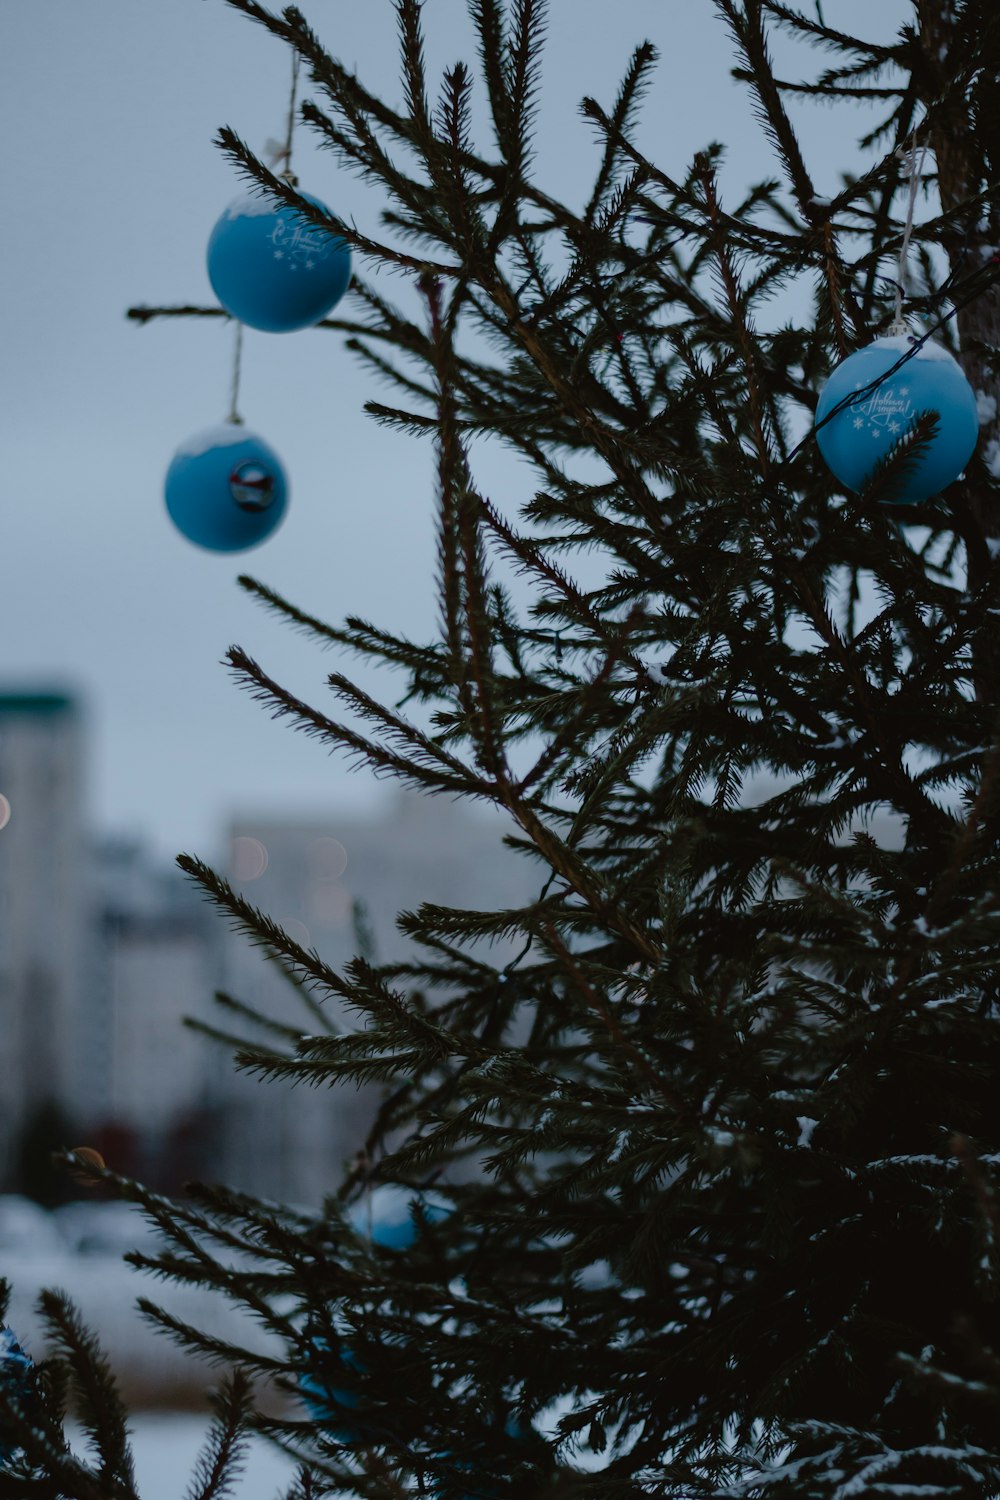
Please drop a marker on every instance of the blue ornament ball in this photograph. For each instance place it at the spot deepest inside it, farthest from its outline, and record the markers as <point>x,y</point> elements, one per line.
<point>16,1371</point>
<point>332,1405</point>
<point>274,270</point>
<point>865,430</point>
<point>226,489</point>
<point>385,1215</point>
<point>484,1490</point>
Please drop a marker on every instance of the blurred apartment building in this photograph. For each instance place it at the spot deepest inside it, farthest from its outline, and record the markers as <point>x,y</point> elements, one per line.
<point>104,951</point>
<point>289,1141</point>
<point>42,904</point>
<point>147,1087</point>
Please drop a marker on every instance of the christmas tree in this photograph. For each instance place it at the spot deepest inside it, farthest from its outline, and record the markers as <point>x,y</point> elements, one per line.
<point>696,1186</point>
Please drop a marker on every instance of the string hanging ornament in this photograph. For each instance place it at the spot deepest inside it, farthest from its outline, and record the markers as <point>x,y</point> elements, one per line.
<point>875,398</point>
<point>270,266</point>
<point>226,489</point>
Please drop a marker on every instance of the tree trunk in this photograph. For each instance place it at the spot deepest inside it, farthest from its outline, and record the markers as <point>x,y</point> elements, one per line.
<point>965,139</point>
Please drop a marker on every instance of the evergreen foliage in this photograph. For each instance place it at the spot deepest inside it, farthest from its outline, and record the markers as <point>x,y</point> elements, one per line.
<point>718,1141</point>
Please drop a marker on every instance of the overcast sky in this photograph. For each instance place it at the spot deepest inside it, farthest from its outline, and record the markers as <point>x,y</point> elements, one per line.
<point>110,188</point>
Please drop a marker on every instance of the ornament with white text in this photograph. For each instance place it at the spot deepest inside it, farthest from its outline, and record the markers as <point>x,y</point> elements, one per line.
<point>226,489</point>
<point>880,411</point>
<point>273,269</point>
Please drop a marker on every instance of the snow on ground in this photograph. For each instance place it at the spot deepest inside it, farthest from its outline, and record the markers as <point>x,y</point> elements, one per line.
<point>166,1445</point>
<point>79,1250</point>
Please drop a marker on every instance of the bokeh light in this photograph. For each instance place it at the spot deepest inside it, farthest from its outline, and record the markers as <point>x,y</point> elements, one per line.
<point>327,858</point>
<point>330,904</point>
<point>297,931</point>
<point>248,859</point>
<point>4,811</point>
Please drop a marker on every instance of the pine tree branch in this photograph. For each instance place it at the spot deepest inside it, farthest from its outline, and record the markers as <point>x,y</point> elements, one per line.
<point>747,27</point>
<point>254,170</point>
<point>261,929</point>
<point>99,1406</point>
<point>222,1460</point>
<point>310,721</point>
<point>622,119</point>
<point>744,335</point>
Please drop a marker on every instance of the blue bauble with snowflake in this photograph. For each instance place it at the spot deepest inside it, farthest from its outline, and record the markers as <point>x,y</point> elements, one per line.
<point>389,1215</point>
<point>226,489</point>
<point>879,411</point>
<point>16,1379</point>
<point>273,269</point>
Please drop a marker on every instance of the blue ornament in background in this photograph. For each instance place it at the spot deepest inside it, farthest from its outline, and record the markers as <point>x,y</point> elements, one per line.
<point>513,1429</point>
<point>15,1377</point>
<point>274,270</point>
<point>865,430</point>
<point>226,489</point>
<point>385,1215</point>
<point>329,1404</point>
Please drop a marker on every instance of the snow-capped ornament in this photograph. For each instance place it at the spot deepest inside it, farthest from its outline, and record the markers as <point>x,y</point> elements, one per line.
<point>877,412</point>
<point>273,269</point>
<point>226,490</point>
<point>16,1369</point>
<point>387,1215</point>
